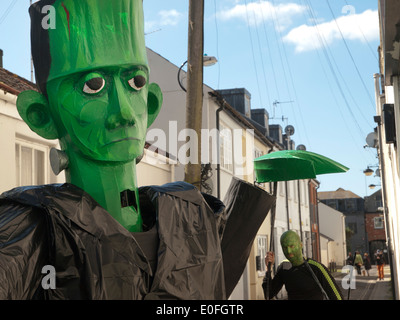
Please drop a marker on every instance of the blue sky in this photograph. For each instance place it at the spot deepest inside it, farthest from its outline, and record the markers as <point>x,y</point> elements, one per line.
<point>316,57</point>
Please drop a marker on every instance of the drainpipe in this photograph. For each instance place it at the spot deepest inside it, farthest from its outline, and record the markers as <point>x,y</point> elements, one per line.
<point>287,205</point>
<point>344,247</point>
<point>299,201</point>
<point>317,216</point>
<point>218,152</point>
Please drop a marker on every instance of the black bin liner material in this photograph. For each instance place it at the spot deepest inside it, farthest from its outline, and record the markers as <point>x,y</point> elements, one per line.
<point>246,208</point>
<point>189,262</point>
<point>179,256</point>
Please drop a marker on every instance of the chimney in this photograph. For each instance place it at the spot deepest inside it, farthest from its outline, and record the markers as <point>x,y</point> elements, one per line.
<point>1,58</point>
<point>239,99</point>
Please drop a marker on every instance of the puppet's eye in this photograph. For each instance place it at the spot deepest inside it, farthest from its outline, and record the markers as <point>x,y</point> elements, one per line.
<point>137,82</point>
<point>94,85</point>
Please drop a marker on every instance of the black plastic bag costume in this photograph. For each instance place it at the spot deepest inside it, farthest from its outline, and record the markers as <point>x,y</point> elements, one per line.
<point>193,247</point>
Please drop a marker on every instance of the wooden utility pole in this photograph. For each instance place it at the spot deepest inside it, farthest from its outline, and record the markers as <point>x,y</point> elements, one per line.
<point>194,96</point>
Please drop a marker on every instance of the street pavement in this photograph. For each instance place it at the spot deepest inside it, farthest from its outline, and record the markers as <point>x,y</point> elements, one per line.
<point>366,287</point>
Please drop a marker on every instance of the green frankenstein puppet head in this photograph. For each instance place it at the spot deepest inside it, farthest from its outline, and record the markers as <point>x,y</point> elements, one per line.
<point>92,70</point>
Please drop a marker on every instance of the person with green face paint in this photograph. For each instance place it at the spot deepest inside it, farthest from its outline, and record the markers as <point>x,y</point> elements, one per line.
<point>104,237</point>
<point>304,279</point>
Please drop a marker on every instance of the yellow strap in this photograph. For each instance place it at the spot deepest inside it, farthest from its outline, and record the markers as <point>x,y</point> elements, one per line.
<point>326,275</point>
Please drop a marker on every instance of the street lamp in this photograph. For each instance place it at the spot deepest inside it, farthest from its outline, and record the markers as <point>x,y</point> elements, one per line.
<point>207,62</point>
<point>372,186</point>
<point>368,172</point>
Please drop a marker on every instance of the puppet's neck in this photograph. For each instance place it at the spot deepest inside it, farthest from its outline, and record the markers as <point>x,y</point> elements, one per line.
<point>112,185</point>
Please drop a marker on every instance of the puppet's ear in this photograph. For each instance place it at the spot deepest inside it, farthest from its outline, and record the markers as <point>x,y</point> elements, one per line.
<point>33,108</point>
<point>154,102</point>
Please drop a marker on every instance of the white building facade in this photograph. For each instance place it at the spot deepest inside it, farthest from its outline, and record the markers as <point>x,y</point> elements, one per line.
<point>333,235</point>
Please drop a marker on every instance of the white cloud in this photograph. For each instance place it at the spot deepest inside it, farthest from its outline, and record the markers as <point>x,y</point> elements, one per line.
<point>257,12</point>
<point>363,26</point>
<point>167,18</point>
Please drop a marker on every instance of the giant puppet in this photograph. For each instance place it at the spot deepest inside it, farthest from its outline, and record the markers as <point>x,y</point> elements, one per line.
<point>105,237</point>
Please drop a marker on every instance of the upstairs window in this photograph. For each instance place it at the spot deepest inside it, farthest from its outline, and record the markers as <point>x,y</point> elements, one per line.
<point>226,148</point>
<point>31,164</point>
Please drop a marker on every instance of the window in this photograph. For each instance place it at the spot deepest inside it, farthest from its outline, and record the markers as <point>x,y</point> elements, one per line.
<point>289,189</point>
<point>226,148</point>
<point>262,252</point>
<point>353,227</point>
<point>303,192</point>
<point>350,205</point>
<point>296,190</point>
<point>331,203</point>
<point>378,201</point>
<point>378,222</point>
<point>257,153</point>
<point>281,188</point>
<point>31,164</point>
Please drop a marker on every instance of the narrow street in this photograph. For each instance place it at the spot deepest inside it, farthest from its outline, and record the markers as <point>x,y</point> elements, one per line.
<point>366,287</point>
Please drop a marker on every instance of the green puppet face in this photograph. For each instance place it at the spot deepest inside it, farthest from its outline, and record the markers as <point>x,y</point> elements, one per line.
<point>292,247</point>
<point>95,79</point>
<point>103,111</point>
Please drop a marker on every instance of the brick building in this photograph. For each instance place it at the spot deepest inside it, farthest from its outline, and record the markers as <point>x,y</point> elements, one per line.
<point>375,223</point>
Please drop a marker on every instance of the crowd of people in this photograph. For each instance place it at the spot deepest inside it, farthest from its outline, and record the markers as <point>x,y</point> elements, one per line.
<point>363,263</point>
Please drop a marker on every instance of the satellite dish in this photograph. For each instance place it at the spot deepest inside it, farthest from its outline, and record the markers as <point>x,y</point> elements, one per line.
<point>372,140</point>
<point>289,130</point>
<point>301,147</point>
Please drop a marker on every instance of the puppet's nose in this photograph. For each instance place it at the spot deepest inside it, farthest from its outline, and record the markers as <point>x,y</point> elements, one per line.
<point>121,111</point>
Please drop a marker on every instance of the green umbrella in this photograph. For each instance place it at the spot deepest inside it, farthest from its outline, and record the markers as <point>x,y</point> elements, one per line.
<point>288,165</point>
<point>293,165</point>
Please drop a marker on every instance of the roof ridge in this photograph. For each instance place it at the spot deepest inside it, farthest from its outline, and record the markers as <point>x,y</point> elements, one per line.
<point>14,83</point>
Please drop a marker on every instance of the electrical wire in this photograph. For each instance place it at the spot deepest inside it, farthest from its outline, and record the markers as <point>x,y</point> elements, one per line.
<point>8,10</point>
<point>252,50</point>
<point>333,72</point>
<point>351,56</point>
<point>278,27</point>
<point>269,52</point>
<point>374,53</point>
<point>262,60</point>
<point>217,43</point>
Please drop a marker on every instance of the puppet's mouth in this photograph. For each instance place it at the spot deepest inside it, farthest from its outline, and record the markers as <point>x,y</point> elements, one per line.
<point>120,140</point>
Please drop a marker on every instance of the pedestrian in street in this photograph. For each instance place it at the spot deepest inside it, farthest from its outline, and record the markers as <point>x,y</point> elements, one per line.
<point>367,263</point>
<point>358,261</point>
<point>350,259</point>
<point>304,279</point>
<point>380,263</point>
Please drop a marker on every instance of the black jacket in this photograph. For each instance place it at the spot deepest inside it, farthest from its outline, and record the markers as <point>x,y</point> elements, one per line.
<point>179,256</point>
<point>300,282</point>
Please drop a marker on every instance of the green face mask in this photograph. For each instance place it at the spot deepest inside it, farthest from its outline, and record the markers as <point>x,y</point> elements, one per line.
<point>98,101</point>
<point>292,247</point>
<point>103,113</point>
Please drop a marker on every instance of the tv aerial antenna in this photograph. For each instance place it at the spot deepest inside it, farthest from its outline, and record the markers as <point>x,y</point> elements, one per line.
<point>274,105</point>
<point>154,31</point>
